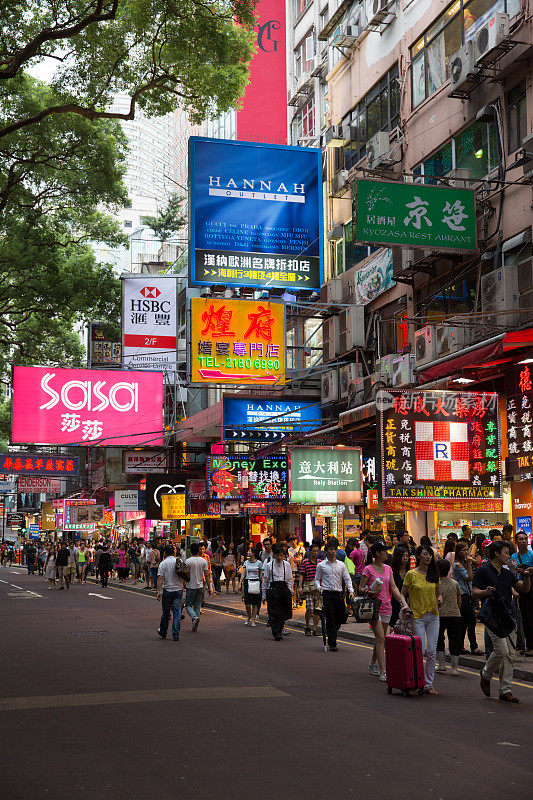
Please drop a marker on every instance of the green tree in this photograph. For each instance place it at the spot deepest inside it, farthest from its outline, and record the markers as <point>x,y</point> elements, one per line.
<point>169,220</point>
<point>160,53</point>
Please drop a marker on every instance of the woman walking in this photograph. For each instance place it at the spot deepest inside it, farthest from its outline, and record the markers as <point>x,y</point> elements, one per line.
<point>251,587</point>
<point>450,619</point>
<point>378,573</point>
<point>399,566</point>
<point>50,567</point>
<point>277,589</point>
<point>421,586</point>
<point>216,564</point>
<point>230,567</point>
<point>462,573</point>
<point>82,563</point>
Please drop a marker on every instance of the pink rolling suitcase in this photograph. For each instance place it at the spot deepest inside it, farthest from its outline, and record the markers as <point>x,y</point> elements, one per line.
<point>405,665</point>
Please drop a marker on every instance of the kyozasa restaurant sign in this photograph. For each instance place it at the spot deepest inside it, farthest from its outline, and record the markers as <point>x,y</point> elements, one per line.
<point>415,215</point>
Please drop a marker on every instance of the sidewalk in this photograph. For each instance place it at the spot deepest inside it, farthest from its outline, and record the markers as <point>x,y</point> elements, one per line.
<point>352,631</point>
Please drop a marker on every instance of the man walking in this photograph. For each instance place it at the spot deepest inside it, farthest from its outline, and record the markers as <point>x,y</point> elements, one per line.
<point>329,578</point>
<point>313,598</point>
<point>172,585</point>
<point>493,579</point>
<point>524,558</point>
<point>63,566</point>
<point>31,552</point>
<point>199,572</point>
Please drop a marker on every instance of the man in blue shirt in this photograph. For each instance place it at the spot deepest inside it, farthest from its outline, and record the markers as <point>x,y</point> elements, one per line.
<point>524,558</point>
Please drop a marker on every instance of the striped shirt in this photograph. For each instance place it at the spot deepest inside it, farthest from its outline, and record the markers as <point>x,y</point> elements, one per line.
<point>308,569</point>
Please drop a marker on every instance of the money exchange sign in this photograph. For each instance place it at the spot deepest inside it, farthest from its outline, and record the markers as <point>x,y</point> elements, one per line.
<point>326,475</point>
<point>520,423</point>
<point>237,342</point>
<point>439,448</point>
<point>237,476</point>
<point>415,215</point>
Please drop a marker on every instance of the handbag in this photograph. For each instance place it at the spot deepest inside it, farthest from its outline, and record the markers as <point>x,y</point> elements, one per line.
<point>254,587</point>
<point>496,615</point>
<point>182,570</point>
<point>366,609</point>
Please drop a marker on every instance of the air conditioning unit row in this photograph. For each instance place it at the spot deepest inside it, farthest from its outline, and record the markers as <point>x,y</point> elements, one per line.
<point>331,292</point>
<point>362,390</point>
<point>379,12</point>
<point>403,370</point>
<point>425,345</point>
<point>351,328</point>
<point>339,182</point>
<point>450,337</point>
<point>463,72</point>
<point>329,387</point>
<point>383,368</point>
<point>490,37</point>
<point>378,151</point>
<point>347,374</point>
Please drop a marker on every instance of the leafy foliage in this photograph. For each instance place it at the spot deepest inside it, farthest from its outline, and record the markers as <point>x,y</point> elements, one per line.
<point>169,220</point>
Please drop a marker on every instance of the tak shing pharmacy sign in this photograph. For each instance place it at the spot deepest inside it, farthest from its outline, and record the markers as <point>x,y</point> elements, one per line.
<point>326,475</point>
<point>83,406</point>
<point>415,215</point>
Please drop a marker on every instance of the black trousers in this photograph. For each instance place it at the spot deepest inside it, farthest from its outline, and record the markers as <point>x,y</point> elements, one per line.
<point>279,606</point>
<point>335,613</point>
<point>469,620</point>
<point>454,627</point>
<point>104,575</point>
<point>526,610</point>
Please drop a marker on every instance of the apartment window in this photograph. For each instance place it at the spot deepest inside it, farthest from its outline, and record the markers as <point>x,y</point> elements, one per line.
<point>304,54</point>
<point>324,17</point>
<point>300,6</point>
<point>475,150</point>
<point>306,125</point>
<point>516,116</point>
<point>431,54</point>
<point>378,110</point>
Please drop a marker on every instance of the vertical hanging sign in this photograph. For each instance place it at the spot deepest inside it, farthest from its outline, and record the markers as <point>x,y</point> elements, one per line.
<point>149,323</point>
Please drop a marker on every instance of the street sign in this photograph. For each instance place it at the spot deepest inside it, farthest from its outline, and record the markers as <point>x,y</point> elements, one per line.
<point>326,475</point>
<point>18,462</point>
<point>415,215</point>
<point>39,485</point>
<point>127,500</point>
<point>258,420</point>
<point>15,520</point>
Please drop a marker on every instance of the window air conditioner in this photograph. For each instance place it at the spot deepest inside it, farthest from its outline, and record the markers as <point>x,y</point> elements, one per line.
<point>330,338</point>
<point>450,338</point>
<point>351,328</point>
<point>379,12</point>
<point>338,184</point>
<point>402,370</point>
<point>378,150</point>
<point>499,292</point>
<point>329,387</point>
<point>462,68</point>
<point>347,374</point>
<point>383,368</point>
<point>424,345</point>
<point>490,36</point>
<point>331,292</point>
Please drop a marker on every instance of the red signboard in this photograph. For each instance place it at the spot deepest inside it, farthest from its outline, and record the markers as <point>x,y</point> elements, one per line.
<point>39,485</point>
<point>264,112</point>
<point>87,407</point>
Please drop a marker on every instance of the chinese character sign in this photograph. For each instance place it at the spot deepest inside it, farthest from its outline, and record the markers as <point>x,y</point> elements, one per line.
<point>256,213</point>
<point>149,323</point>
<point>51,464</point>
<point>247,477</point>
<point>237,342</point>
<point>415,215</point>
<point>326,475</point>
<point>103,351</point>
<point>86,407</point>
<point>173,506</point>
<point>440,446</point>
<point>520,422</point>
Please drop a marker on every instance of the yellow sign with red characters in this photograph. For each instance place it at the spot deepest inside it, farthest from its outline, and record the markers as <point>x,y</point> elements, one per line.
<point>173,506</point>
<point>237,341</point>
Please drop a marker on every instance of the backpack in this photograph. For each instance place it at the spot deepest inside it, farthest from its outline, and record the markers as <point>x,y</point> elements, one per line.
<point>105,561</point>
<point>182,570</point>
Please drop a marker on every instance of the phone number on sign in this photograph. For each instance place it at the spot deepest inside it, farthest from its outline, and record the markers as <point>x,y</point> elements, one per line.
<point>248,363</point>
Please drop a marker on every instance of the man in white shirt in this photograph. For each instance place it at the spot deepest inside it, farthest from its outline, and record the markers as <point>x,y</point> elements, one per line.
<point>172,585</point>
<point>195,587</point>
<point>330,576</point>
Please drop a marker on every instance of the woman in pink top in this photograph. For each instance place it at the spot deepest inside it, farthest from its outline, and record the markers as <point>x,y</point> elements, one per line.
<point>378,569</point>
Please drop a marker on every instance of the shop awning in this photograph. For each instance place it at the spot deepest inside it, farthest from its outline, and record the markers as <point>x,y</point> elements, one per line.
<point>359,414</point>
<point>480,356</point>
<point>202,427</point>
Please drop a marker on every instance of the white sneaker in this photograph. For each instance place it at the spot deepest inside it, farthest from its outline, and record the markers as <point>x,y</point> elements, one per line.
<point>254,624</point>
<point>373,669</point>
<point>454,671</point>
<point>383,676</point>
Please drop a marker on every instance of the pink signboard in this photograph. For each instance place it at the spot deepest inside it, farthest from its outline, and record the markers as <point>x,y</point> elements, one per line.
<point>87,407</point>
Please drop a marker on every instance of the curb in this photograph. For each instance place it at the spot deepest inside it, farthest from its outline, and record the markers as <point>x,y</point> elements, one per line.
<point>464,661</point>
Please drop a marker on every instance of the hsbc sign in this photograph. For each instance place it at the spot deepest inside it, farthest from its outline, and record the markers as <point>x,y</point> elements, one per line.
<point>149,323</point>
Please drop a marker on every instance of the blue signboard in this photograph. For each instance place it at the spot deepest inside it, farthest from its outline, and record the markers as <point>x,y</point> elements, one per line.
<point>33,531</point>
<point>255,214</point>
<point>252,420</point>
<point>525,524</point>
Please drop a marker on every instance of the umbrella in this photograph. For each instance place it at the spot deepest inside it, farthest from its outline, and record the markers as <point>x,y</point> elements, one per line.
<point>323,625</point>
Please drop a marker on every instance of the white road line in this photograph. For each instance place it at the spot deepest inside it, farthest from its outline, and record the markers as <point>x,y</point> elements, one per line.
<point>4,582</point>
<point>102,596</point>
<point>17,587</point>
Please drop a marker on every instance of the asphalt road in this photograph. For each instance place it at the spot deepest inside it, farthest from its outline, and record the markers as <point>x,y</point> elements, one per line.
<point>94,705</point>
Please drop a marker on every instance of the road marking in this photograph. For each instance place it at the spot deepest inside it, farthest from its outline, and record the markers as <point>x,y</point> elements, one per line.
<point>4,581</point>
<point>509,744</point>
<point>17,587</point>
<point>103,596</point>
<point>140,696</point>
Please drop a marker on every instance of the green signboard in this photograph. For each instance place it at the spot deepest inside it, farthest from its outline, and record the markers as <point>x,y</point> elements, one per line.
<point>326,475</point>
<point>414,215</point>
